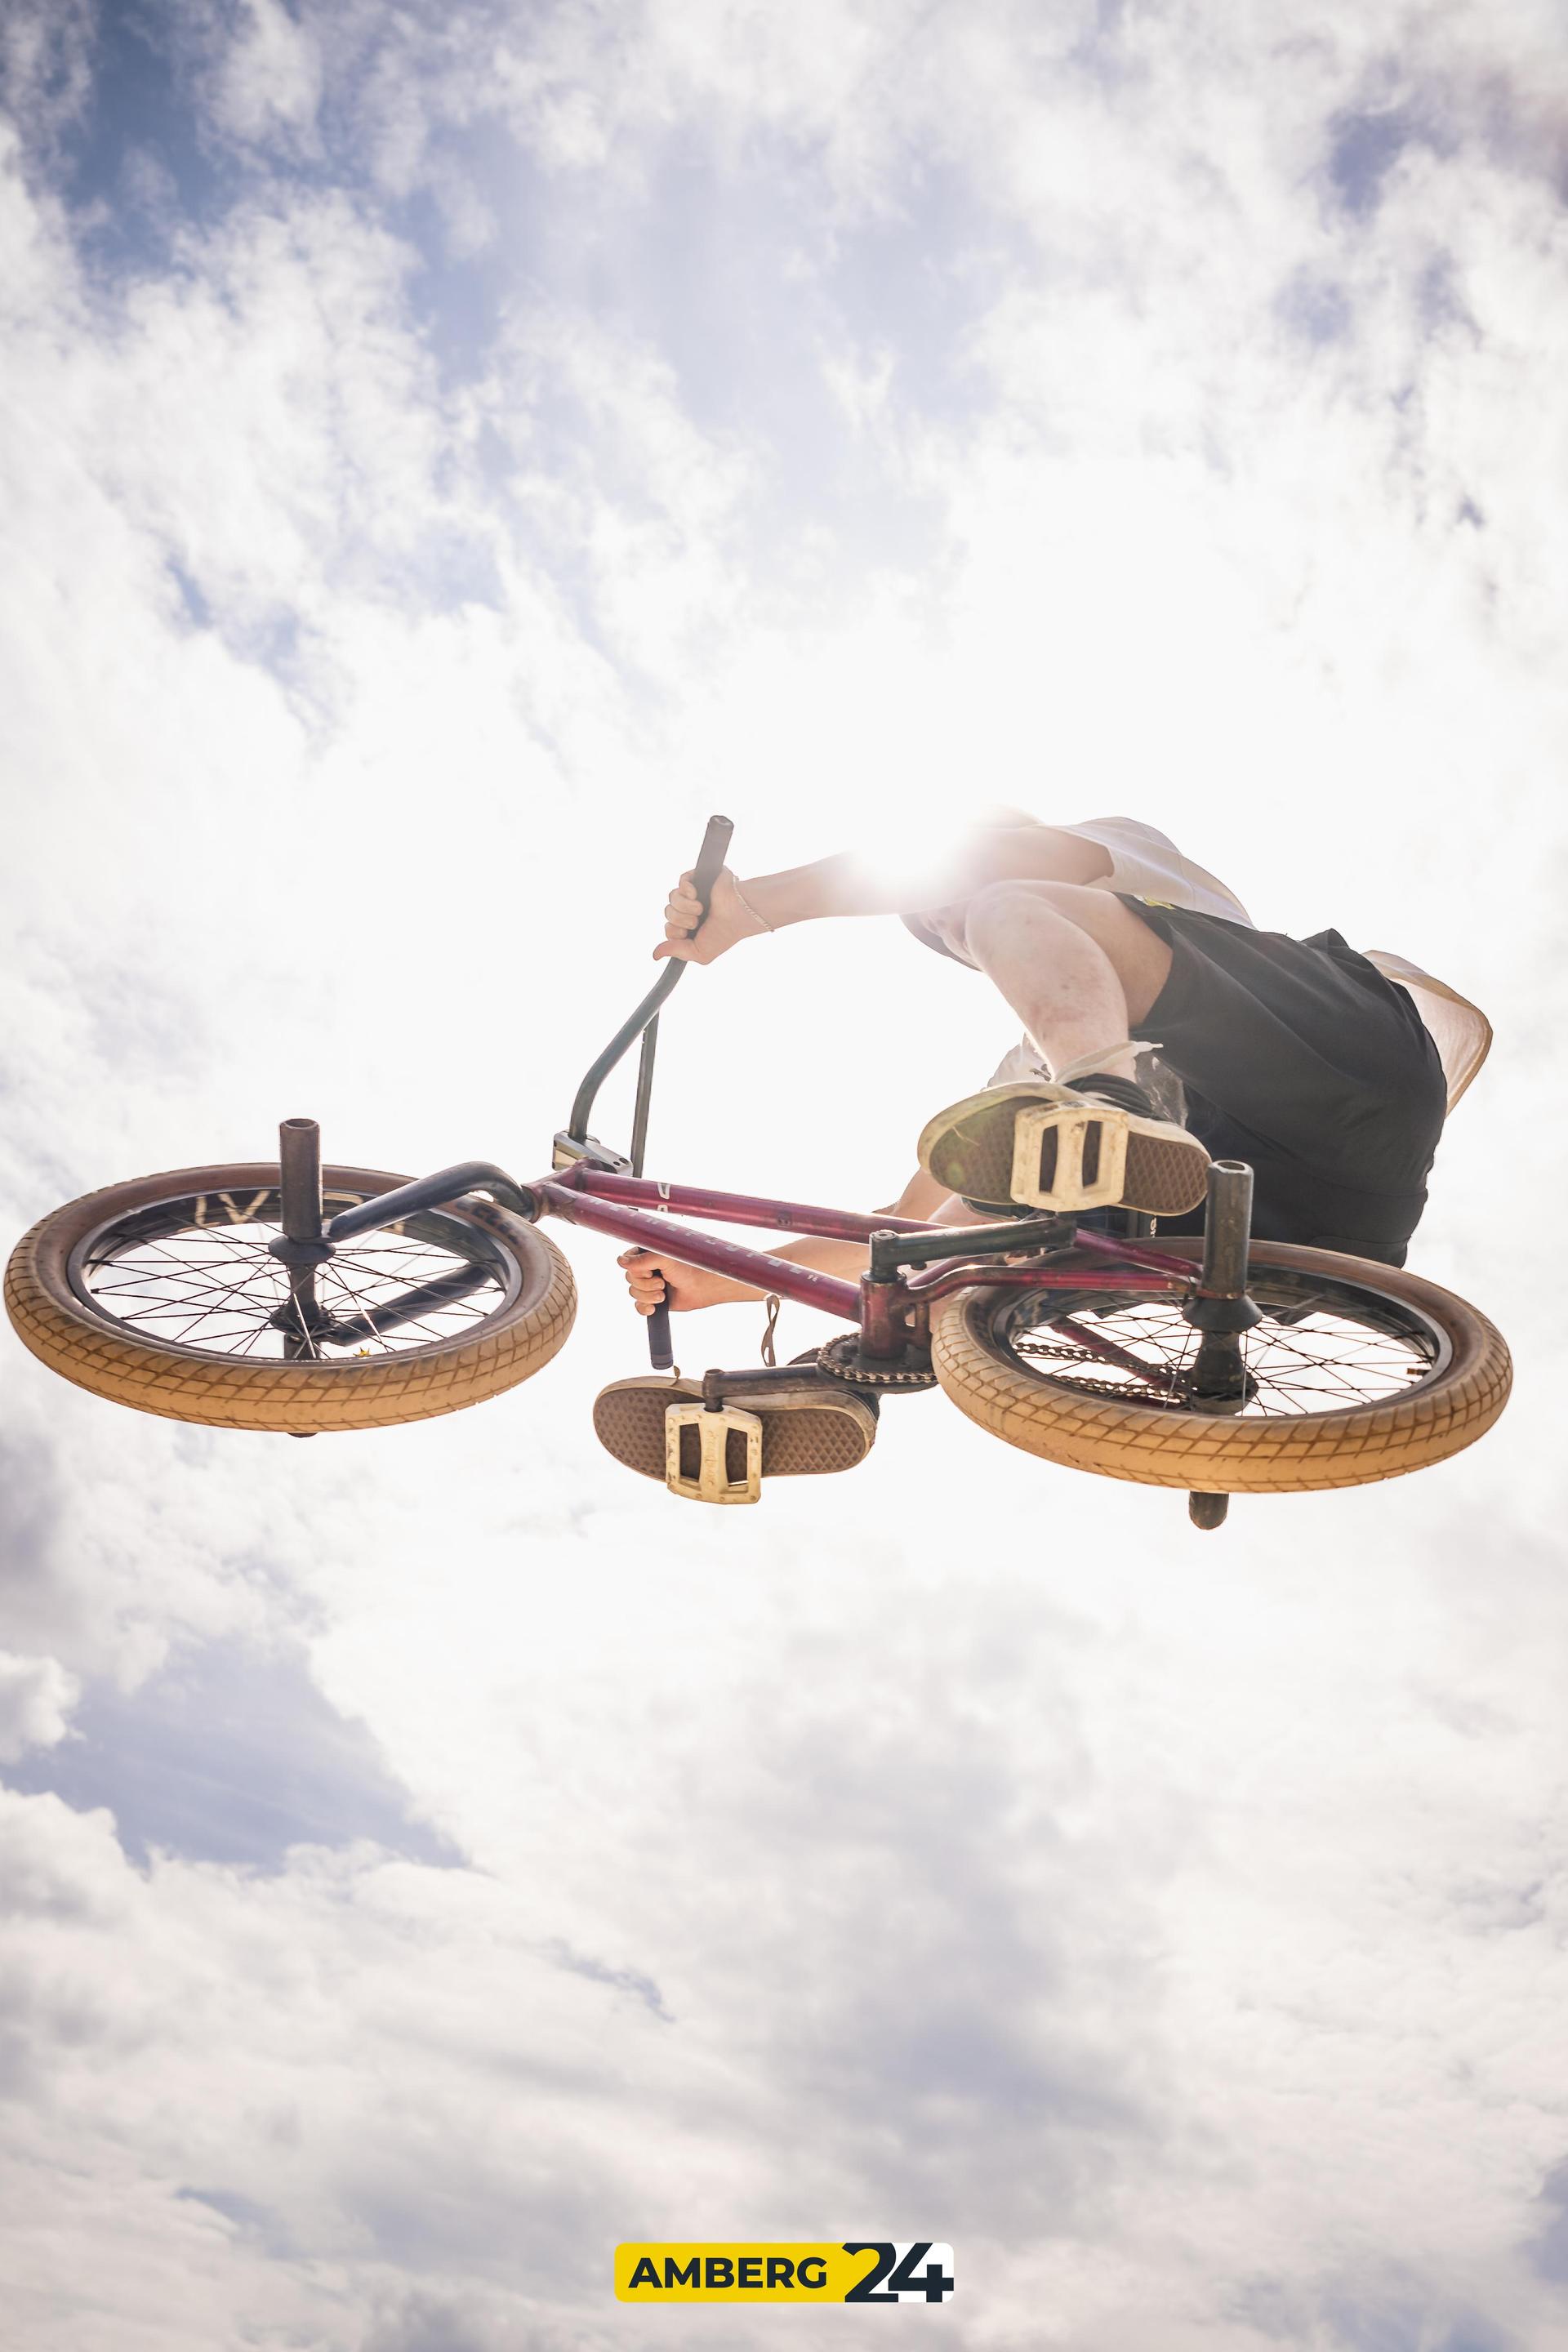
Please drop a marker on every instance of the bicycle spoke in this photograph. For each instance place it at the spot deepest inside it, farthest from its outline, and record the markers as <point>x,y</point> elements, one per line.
<point>1333,1354</point>
<point>239,1284</point>
<point>214,1287</point>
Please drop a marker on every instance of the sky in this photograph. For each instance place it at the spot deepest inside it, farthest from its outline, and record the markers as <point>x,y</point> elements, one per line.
<point>446,452</point>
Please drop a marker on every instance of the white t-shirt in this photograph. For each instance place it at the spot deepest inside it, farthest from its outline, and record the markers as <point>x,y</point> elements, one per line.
<point>1147,865</point>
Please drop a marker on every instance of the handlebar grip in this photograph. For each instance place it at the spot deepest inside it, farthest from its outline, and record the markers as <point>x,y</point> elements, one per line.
<point>710,857</point>
<point>661,1346</point>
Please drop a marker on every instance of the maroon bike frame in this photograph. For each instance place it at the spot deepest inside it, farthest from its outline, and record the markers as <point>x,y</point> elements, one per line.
<point>640,1209</point>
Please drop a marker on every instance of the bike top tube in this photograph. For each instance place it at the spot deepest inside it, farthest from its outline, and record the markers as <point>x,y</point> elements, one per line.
<point>763,1212</point>
<point>606,1204</point>
<point>735,1208</point>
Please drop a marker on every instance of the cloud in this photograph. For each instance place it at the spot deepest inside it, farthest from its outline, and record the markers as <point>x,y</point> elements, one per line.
<point>36,1696</point>
<point>226,1755</point>
<point>45,67</point>
<point>34,1502</point>
<point>271,88</point>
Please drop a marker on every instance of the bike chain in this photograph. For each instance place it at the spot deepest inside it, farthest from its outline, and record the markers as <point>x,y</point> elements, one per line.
<point>1123,1394</point>
<point>840,1358</point>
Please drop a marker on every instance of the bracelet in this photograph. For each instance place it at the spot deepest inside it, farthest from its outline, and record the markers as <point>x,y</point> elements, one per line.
<point>748,907</point>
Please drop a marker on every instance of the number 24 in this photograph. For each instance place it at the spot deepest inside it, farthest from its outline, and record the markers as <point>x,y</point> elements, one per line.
<point>933,2282</point>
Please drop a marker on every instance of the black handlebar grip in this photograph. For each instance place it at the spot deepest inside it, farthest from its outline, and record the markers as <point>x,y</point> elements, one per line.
<point>710,857</point>
<point>661,1346</point>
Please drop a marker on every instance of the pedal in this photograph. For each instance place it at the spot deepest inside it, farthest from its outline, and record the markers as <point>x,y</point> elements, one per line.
<point>712,1453</point>
<point>1066,1158</point>
<point>754,1425</point>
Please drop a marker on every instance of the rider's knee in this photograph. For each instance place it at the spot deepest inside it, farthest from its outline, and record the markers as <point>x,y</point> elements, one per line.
<point>1001,910</point>
<point>998,902</point>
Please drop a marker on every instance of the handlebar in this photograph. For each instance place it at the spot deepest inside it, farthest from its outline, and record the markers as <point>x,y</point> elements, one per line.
<point>710,859</point>
<point>643,1022</point>
<point>704,873</point>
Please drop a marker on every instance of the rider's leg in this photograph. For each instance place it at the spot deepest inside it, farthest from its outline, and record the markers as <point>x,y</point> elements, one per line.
<point>1076,967</point>
<point>1075,964</point>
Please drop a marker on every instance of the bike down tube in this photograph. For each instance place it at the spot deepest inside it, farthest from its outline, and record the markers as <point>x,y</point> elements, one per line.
<point>802,1284</point>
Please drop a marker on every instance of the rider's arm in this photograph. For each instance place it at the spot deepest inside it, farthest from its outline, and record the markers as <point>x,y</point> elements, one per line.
<point>850,885</point>
<point>853,884</point>
<point>653,1279</point>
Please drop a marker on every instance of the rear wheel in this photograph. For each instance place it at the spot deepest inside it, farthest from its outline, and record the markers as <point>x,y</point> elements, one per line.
<point>1356,1373</point>
<point>162,1294</point>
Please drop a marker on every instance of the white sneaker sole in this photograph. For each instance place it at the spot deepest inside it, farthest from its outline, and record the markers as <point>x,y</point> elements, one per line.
<point>774,1429</point>
<point>1041,1146</point>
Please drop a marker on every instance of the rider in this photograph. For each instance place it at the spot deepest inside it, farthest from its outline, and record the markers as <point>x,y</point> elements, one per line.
<point>1329,1072</point>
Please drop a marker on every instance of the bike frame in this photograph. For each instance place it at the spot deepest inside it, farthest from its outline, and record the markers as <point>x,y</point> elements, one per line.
<point>913,1263</point>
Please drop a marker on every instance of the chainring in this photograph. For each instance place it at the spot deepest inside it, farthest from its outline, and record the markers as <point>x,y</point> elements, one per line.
<point>841,1360</point>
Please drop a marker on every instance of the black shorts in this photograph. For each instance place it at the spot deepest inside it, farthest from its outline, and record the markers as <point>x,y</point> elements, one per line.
<point>1300,1058</point>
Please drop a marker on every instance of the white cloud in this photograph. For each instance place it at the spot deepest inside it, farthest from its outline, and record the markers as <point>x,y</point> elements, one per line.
<point>263,72</point>
<point>46,66</point>
<point>35,1699</point>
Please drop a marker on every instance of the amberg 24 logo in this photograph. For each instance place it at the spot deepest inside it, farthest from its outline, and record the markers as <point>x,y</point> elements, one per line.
<point>894,2278</point>
<point>859,2269</point>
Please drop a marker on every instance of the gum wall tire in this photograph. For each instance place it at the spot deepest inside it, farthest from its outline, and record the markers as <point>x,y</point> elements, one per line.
<point>369,1393</point>
<point>1224,1454</point>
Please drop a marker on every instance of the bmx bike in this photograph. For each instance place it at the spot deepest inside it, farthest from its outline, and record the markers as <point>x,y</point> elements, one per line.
<point>289,1296</point>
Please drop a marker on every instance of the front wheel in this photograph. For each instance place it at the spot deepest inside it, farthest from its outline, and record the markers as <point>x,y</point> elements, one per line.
<point>162,1294</point>
<point>1356,1373</point>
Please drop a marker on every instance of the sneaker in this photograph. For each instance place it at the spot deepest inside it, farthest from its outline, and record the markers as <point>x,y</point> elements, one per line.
<point>769,1425</point>
<point>1038,1144</point>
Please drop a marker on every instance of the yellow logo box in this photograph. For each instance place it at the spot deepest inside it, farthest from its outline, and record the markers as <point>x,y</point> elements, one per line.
<point>724,2271</point>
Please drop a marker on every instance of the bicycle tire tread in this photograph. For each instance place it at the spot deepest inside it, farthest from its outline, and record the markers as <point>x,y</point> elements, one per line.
<point>272,1395</point>
<point>1223,1453</point>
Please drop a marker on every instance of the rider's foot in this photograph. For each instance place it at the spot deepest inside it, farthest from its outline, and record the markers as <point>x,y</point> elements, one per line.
<point>805,1424</point>
<point>1037,1144</point>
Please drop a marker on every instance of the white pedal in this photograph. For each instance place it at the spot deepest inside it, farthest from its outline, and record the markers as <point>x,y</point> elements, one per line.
<point>1068,1189</point>
<point>713,1482</point>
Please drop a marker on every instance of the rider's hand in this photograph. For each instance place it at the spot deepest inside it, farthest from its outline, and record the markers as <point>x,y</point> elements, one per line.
<point>729,919</point>
<point>656,1281</point>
